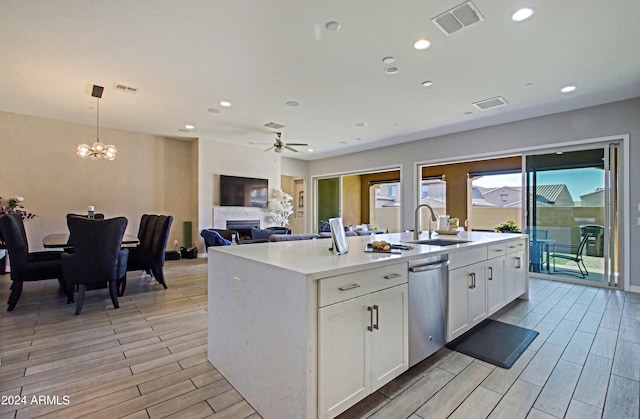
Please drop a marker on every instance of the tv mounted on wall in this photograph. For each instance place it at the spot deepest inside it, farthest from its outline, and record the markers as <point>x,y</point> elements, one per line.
<point>236,191</point>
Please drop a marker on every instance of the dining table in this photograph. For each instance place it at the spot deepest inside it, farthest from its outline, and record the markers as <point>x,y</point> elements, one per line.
<point>61,240</point>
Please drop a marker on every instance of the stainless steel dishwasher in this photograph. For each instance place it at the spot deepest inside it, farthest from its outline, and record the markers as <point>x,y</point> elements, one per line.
<point>427,306</point>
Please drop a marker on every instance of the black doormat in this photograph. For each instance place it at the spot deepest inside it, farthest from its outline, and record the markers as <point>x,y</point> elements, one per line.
<point>495,342</point>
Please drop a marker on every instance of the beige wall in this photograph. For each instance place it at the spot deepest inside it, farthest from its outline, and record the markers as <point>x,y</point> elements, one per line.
<point>151,174</point>
<point>350,200</point>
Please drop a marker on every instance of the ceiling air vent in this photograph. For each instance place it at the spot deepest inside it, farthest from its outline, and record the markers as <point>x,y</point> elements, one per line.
<point>273,125</point>
<point>457,18</point>
<point>126,89</point>
<point>494,102</point>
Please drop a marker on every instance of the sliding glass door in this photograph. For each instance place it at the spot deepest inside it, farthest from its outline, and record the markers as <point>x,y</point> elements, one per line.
<point>571,214</point>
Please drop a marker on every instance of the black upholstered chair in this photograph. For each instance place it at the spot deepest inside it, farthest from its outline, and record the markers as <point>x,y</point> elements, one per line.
<point>149,255</point>
<point>97,259</point>
<point>282,230</point>
<point>98,216</point>
<point>25,265</point>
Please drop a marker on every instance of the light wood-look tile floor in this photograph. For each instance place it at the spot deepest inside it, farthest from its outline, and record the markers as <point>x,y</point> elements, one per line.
<point>148,359</point>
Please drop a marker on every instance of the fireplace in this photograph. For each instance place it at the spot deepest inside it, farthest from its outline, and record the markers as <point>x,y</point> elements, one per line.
<point>243,227</point>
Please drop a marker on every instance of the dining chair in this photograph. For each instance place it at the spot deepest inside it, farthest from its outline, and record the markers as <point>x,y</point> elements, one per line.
<point>97,216</point>
<point>149,255</point>
<point>25,265</point>
<point>572,253</point>
<point>98,259</point>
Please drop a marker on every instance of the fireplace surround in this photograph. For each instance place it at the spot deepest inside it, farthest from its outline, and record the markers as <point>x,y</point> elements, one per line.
<point>243,227</point>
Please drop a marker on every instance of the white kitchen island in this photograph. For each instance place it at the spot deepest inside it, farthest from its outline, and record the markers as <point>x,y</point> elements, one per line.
<point>284,319</point>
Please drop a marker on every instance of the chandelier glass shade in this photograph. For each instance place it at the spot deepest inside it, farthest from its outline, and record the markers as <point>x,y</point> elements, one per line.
<point>98,149</point>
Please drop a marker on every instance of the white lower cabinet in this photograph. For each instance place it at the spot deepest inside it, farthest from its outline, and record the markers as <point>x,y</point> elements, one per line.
<point>496,265</point>
<point>466,303</point>
<point>516,269</point>
<point>362,345</point>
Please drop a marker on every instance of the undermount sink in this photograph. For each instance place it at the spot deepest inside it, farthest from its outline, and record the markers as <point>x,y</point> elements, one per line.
<point>439,242</point>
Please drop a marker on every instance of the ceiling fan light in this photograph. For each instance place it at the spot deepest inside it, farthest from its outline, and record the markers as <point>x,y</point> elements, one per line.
<point>278,150</point>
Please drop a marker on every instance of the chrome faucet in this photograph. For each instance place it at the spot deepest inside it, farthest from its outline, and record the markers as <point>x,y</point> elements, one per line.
<point>416,226</point>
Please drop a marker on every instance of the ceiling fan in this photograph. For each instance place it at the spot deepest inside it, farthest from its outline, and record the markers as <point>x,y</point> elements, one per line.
<point>278,146</point>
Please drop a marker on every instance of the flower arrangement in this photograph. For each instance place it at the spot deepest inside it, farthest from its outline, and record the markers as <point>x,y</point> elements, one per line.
<point>509,226</point>
<point>14,206</point>
<point>280,207</point>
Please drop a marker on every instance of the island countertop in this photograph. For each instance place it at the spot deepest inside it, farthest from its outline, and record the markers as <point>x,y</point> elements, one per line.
<point>314,259</point>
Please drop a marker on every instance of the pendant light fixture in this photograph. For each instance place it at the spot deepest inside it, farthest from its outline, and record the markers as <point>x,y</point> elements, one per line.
<point>98,149</point>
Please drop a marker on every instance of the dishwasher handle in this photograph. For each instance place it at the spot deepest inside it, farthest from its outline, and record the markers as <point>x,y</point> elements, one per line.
<point>429,267</point>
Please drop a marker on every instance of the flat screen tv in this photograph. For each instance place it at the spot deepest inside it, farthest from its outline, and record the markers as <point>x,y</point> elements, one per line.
<point>236,191</point>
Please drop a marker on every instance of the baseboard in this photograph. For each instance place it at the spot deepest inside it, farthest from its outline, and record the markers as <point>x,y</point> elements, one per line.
<point>634,288</point>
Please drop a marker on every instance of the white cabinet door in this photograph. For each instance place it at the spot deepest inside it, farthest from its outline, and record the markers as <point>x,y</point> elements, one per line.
<point>495,284</point>
<point>477,298</point>
<point>519,273</point>
<point>362,345</point>
<point>457,318</point>
<point>390,340</point>
<point>466,303</point>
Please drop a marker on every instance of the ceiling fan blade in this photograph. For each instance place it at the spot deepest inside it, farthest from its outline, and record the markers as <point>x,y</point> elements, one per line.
<point>290,148</point>
<point>298,144</point>
<point>270,148</point>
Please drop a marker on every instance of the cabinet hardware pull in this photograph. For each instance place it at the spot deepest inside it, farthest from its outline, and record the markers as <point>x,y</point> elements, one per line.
<point>490,273</point>
<point>472,275</point>
<point>376,308</point>
<point>498,250</point>
<point>370,310</point>
<point>518,262</point>
<point>349,287</point>
<point>391,276</point>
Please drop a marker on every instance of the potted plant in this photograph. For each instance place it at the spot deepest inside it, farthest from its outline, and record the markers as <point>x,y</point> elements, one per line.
<point>508,227</point>
<point>280,207</point>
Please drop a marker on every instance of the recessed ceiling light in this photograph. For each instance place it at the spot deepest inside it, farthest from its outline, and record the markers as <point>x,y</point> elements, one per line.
<point>310,150</point>
<point>293,103</point>
<point>529,84</point>
<point>388,60</point>
<point>225,103</point>
<point>422,44</point>
<point>344,142</point>
<point>214,110</point>
<point>567,89</point>
<point>332,26</point>
<point>391,70</point>
<point>522,14</point>
<point>358,139</point>
<point>468,113</point>
<point>361,124</point>
<point>189,126</point>
<point>427,83</point>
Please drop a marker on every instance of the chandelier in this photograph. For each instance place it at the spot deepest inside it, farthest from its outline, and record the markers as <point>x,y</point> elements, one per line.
<point>98,149</point>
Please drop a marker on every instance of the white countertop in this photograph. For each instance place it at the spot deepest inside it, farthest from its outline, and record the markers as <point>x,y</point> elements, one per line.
<point>314,259</point>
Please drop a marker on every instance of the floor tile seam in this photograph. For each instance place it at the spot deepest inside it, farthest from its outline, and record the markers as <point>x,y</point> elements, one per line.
<point>622,376</point>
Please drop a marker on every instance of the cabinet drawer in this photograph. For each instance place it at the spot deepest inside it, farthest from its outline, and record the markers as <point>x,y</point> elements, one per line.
<point>344,287</point>
<point>516,246</point>
<point>496,250</point>
<point>467,257</point>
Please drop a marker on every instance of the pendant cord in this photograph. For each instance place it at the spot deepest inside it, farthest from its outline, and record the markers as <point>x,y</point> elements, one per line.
<point>98,122</point>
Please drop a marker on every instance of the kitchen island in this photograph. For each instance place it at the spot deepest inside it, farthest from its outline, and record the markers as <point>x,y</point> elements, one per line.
<point>303,333</point>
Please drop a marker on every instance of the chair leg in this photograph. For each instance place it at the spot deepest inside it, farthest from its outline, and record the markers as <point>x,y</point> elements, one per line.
<point>16,291</point>
<point>158,274</point>
<point>70,291</point>
<point>121,285</point>
<point>82,289</point>
<point>113,291</point>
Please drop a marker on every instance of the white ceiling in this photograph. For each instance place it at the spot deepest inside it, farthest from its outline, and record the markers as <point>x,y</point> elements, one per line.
<point>185,56</point>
